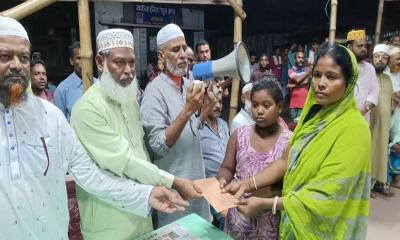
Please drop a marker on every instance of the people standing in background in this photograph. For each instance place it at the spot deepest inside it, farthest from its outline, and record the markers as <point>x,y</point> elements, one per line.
<point>39,78</point>
<point>253,61</point>
<point>203,51</point>
<point>312,52</point>
<point>298,85</point>
<point>394,146</point>
<point>284,72</point>
<point>367,90</point>
<point>71,88</point>
<point>275,63</point>
<point>380,121</point>
<point>243,117</point>
<point>263,68</point>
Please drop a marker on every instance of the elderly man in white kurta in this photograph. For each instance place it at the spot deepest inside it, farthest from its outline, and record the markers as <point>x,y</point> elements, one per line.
<point>38,147</point>
<point>168,112</point>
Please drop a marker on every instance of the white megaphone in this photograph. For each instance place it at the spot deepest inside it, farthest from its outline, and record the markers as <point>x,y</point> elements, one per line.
<point>236,65</point>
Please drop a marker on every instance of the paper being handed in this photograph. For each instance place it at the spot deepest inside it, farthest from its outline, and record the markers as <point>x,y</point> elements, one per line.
<point>212,192</point>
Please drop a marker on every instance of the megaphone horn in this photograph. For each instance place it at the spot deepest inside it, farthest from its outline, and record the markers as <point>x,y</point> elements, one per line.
<point>236,65</point>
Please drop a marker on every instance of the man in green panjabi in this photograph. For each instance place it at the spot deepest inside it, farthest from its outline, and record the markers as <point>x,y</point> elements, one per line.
<point>107,122</point>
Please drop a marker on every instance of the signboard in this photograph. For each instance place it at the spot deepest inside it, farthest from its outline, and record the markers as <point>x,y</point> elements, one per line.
<point>156,15</point>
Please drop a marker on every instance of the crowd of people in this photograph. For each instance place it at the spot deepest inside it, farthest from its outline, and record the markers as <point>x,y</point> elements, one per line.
<point>317,136</point>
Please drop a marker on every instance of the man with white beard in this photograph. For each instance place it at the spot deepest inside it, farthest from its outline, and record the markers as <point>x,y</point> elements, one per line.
<point>106,120</point>
<point>168,110</point>
<point>38,147</point>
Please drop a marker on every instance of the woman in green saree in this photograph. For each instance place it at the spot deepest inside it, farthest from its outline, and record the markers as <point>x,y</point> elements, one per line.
<point>326,171</point>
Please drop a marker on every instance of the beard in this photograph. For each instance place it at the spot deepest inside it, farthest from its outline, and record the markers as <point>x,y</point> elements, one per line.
<point>175,70</point>
<point>13,88</point>
<point>394,68</point>
<point>118,93</point>
<point>361,57</point>
<point>379,69</point>
<point>300,64</point>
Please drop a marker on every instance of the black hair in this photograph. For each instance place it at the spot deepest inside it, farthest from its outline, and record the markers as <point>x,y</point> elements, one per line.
<point>72,47</point>
<point>252,53</point>
<point>297,52</point>
<point>264,55</point>
<point>270,84</point>
<point>37,59</point>
<point>201,43</point>
<point>339,55</point>
<point>276,47</point>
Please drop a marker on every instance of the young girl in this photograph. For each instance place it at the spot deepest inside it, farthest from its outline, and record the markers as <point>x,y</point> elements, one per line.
<point>250,150</point>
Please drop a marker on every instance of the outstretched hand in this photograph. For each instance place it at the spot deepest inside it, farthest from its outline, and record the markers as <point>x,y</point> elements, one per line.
<point>187,188</point>
<point>166,201</point>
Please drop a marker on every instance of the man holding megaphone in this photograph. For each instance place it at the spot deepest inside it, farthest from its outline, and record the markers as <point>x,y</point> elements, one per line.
<point>168,110</point>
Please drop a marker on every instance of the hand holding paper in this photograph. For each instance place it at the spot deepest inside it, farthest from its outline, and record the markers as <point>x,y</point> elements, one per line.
<point>211,191</point>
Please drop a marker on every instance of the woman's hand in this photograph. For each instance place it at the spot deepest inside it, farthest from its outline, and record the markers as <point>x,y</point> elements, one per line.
<point>252,206</point>
<point>237,188</point>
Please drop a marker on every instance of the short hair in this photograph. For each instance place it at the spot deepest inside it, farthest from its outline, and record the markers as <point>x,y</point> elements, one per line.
<point>201,43</point>
<point>264,55</point>
<point>297,52</point>
<point>270,84</point>
<point>253,53</point>
<point>72,47</point>
<point>37,59</point>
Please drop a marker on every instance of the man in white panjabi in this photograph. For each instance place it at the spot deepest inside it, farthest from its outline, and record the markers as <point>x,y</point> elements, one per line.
<point>38,147</point>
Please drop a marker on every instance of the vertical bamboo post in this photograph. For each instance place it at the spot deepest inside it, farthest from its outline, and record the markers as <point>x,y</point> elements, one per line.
<point>332,24</point>
<point>237,36</point>
<point>379,22</point>
<point>86,43</point>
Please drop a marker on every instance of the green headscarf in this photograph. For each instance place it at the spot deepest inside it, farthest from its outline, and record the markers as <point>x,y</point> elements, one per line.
<point>327,183</point>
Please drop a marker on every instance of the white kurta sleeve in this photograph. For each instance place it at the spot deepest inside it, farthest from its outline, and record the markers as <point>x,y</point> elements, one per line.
<point>120,192</point>
<point>373,94</point>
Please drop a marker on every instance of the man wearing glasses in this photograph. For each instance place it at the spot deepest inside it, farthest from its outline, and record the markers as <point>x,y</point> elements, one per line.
<point>168,111</point>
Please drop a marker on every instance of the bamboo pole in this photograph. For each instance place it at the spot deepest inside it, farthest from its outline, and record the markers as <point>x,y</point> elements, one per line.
<point>332,24</point>
<point>86,43</point>
<point>24,9</point>
<point>237,36</point>
<point>379,22</point>
<point>237,8</point>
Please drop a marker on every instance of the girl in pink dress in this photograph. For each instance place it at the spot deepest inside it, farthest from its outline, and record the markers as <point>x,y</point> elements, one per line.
<point>250,150</point>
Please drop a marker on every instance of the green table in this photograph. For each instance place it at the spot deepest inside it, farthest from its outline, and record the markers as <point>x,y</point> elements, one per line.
<point>191,227</point>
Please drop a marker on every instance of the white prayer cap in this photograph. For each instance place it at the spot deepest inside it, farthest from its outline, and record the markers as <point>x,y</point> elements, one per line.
<point>114,38</point>
<point>167,33</point>
<point>394,51</point>
<point>11,27</point>
<point>381,48</point>
<point>247,88</point>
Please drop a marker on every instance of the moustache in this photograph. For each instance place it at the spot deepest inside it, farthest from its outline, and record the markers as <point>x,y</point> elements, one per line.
<point>124,82</point>
<point>13,75</point>
<point>182,64</point>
